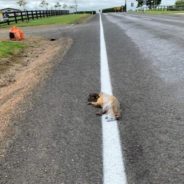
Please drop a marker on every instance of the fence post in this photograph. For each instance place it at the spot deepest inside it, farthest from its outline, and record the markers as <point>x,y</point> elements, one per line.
<point>45,15</point>
<point>22,17</point>
<point>32,15</point>
<point>36,14</point>
<point>27,14</point>
<point>8,21</point>
<point>15,17</point>
<point>40,13</point>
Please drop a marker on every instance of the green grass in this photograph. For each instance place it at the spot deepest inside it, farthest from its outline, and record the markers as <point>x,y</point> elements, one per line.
<point>9,48</point>
<point>64,19</point>
<point>160,12</point>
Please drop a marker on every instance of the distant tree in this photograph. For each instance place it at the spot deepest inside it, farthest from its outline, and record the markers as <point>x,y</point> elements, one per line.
<point>179,3</point>
<point>72,7</point>
<point>140,3</point>
<point>118,9</point>
<point>22,3</point>
<point>44,4</point>
<point>57,5</point>
<point>64,6</point>
<point>75,5</point>
<point>149,3</point>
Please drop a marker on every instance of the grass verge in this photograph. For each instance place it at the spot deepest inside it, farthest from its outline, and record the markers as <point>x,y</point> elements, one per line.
<point>9,48</point>
<point>36,64</point>
<point>60,20</point>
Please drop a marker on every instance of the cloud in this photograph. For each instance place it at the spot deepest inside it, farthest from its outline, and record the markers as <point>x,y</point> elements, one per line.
<point>82,4</point>
<point>168,2</point>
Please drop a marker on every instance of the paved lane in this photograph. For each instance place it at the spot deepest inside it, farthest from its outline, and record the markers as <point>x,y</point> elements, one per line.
<point>59,138</point>
<point>146,62</point>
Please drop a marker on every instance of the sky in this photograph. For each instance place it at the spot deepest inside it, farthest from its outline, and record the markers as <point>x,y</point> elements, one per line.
<point>168,2</point>
<point>82,4</point>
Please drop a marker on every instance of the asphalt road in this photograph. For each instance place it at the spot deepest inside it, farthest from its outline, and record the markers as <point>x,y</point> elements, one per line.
<point>58,140</point>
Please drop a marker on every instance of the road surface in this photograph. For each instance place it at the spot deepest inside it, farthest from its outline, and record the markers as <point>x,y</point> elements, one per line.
<point>59,139</point>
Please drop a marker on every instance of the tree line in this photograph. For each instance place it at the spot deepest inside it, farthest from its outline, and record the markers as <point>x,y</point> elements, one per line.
<point>149,3</point>
<point>45,4</point>
<point>153,3</point>
<point>180,3</point>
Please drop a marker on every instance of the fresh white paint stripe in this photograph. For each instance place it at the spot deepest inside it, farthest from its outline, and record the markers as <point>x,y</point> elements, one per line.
<point>113,166</point>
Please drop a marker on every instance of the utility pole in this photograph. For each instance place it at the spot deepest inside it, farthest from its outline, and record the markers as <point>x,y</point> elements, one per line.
<point>76,6</point>
<point>144,5</point>
<point>125,5</point>
<point>144,2</point>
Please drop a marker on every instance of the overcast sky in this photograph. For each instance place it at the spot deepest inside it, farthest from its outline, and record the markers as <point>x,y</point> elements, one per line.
<point>82,4</point>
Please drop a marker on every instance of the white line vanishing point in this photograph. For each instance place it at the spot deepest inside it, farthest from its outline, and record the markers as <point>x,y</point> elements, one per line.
<point>113,166</point>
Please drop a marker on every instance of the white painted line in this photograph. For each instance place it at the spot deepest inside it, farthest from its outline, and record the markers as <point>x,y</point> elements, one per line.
<point>113,166</point>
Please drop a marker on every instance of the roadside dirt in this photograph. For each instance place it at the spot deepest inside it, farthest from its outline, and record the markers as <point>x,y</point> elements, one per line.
<point>26,71</point>
<point>179,13</point>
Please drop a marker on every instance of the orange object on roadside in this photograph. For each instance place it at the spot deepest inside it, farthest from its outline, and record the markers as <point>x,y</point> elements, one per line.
<point>16,34</point>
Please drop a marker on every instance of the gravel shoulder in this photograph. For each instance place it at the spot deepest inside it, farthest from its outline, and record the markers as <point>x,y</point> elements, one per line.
<point>27,71</point>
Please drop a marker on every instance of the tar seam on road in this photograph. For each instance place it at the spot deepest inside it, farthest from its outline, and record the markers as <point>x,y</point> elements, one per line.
<point>113,165</point>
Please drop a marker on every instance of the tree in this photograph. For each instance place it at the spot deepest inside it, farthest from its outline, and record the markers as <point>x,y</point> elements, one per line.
<point>22,3</point>
<point>153,3</point>
<point>64,6</point>
<point>118,9</point>
<point>149,3</point>
<point>44,4</point>
<point>72,7</point>
<point>140,3</point>
<point>57,5</point>
<point>179,3</point>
